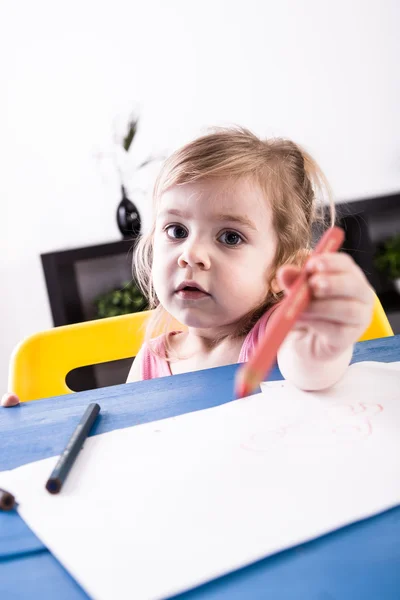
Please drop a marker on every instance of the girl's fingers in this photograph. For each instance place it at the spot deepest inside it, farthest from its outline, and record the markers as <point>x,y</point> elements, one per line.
<point>341,285</point>
<point>327,284</point>
<point>327,263</point>
<point>344,311</point>
<point>332,262</point>
<point>342,302</point>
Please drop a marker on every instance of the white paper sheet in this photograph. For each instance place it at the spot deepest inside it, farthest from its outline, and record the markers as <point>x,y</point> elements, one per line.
<point>156,509</point>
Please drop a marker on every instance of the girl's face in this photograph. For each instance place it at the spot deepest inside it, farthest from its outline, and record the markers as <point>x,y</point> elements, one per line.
<point>213,250</point>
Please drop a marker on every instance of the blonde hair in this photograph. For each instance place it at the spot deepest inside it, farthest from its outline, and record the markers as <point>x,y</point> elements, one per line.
<point>292,182</point>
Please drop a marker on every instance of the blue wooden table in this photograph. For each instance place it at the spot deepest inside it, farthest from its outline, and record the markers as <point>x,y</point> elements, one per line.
<point>358,561</point>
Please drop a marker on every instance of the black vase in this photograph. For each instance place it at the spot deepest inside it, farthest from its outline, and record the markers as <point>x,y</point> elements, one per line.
<point>128,218</point>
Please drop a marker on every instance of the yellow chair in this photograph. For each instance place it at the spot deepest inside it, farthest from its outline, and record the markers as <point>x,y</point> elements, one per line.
<point>379,326</point>
<point>40,363</point>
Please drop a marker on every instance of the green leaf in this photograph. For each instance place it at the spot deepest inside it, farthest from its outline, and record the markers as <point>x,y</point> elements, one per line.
<point>387,259</point>
<point>130,135</point>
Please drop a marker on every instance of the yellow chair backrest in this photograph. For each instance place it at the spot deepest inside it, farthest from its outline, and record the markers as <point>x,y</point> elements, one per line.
<point>40,363</point>
<point>379,326</point>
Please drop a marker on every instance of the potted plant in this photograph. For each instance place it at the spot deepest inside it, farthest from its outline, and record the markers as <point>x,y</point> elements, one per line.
<point>131,171</point>
<point>128,217</point>
<point>387,260</point>
<point>121,301</point>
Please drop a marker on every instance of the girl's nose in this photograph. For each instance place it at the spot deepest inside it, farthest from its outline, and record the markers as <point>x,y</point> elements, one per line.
<point>194,254</point>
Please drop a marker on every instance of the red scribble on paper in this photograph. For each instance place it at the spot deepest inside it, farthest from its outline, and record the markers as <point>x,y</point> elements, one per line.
<point>337,423</point>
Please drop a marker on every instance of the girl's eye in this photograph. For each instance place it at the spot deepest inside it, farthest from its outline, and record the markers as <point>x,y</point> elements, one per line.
<point>231,238</point>
<point>176,232</point>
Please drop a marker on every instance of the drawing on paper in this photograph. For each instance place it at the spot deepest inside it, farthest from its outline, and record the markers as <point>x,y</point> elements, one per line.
<point>336,423</point>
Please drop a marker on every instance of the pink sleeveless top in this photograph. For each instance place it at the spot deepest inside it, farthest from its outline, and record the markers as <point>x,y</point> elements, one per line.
<point>152,365</point>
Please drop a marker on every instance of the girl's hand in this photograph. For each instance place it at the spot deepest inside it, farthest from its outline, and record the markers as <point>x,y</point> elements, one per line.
<point>342,304</point>
<point>9,400</point>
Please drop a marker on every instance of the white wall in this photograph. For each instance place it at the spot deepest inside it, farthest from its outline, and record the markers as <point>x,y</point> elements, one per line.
<point>325,73</point>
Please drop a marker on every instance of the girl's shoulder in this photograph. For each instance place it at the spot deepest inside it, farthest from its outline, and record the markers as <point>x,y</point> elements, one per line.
<point>255,335</point>
<point>152,359</point>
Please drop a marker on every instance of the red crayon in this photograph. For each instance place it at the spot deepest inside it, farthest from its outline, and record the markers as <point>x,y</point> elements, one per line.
<point>250,375</point>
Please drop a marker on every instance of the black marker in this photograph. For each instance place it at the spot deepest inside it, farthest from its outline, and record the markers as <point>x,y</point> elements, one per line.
<point>7,500</point>
<point>67,458</point>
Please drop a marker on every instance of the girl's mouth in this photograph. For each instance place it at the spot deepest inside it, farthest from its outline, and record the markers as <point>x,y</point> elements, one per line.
<point>189,292</point>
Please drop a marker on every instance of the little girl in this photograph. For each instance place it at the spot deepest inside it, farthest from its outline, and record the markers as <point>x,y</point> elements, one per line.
<point>233,218</point>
